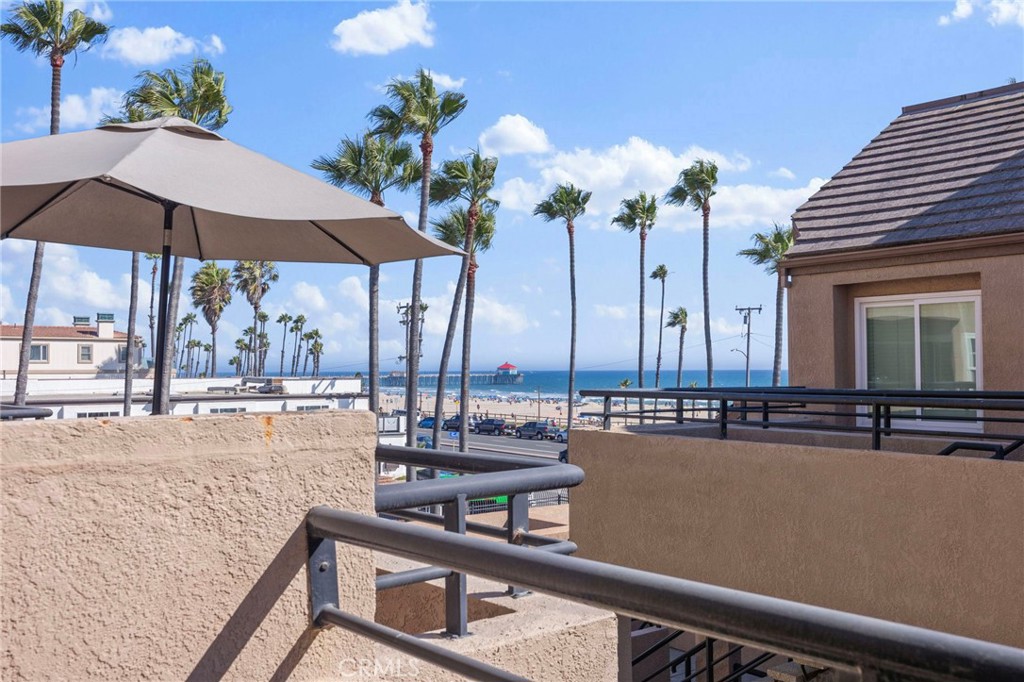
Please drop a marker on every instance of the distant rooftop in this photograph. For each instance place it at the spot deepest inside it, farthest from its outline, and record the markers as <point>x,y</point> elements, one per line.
<point>948,169</point>
<point>44,332</point>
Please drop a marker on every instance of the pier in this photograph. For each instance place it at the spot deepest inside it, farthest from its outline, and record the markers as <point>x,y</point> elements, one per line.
<point>397,380</point>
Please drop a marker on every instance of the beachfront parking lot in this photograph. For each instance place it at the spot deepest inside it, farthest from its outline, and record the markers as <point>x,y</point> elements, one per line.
<point>488,443</point>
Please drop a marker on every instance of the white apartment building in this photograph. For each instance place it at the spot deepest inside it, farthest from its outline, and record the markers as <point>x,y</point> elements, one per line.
<point>79,350</point>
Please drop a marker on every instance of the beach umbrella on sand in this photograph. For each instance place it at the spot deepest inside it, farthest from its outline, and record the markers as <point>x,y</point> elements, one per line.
<point>170,186</point>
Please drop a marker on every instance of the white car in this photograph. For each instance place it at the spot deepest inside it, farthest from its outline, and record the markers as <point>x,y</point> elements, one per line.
<point>562,436</point>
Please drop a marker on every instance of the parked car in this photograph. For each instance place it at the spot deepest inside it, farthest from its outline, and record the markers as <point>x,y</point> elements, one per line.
<point>426,423</point>
<point>538,430</point>
<point>496,427</point>
<point>452,423</point>
<point>563,456</point>
<point>562,436</point>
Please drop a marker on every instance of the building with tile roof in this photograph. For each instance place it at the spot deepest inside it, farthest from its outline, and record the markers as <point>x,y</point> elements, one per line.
<point>82,349</point>
<point>915,253</point>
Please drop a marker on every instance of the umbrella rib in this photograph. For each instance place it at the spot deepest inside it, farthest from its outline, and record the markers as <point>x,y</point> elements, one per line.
<point>195,228</point>
<point>68,190</point>
<point>339,242</point>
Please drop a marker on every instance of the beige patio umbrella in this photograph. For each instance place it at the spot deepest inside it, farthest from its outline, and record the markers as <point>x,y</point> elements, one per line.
<point>170,186</point>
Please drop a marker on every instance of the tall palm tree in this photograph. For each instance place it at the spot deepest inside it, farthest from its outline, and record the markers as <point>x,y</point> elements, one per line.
<point>308,337</point>
<point>370,166</point>
<point>187,322</point>
<point>696,186</point>
<point>263,317</point>
<point>453,229</point>
<point>296,329</point>
<point>470,179</point>
<point>417,108</point>
<point>208,349</point>
<point>567,202</point>
<point>197,94</point>
<point>769,250</point>
<point>129,355</point>
<point>253,278</point>
<point>43,29</point>
<point>211,293</point>
<point>677,319</point>
<point>155,258</point>
<point>242,346</point>
<point>316,350</point>
<point>192,367</point>
<point>283,319</point>
<point>639,213</point>
<point>661,274</point>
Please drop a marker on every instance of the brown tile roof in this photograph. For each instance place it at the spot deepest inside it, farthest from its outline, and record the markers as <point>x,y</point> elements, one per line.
<point>943,170</point>
<point>38,332</point>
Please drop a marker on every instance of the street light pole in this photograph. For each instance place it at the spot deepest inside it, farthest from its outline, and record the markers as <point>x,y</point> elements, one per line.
<point>746,320</point>
<point>538,403</point>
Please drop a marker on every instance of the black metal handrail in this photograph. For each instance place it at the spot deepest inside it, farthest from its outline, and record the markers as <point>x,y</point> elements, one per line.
<point>11,412</point>
<point>850,642</point>
<point>877,405</point>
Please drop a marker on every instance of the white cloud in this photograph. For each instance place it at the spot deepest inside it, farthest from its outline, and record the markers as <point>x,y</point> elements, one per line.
<point>381,31</point>
<point>352,289</point>
<point>514,134</point>
<point>743,206</point>
<point>69,279</point>
<point>517,194</point>
<point>308,297</point>
<point>76,111</point>
<point>9,313</point>
<point>100,11</point>
<point>783,172</point>
<point>442,80</point>
<point>998,12</point>
<point>721,327</point>
<point>155,45</point>
<point>500,317</point>
<point>615,312</point>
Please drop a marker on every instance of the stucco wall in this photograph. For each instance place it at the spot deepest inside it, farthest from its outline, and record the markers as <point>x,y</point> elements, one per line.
<point>823,355</point>
<point>930,541</point>
<point>173,547</point>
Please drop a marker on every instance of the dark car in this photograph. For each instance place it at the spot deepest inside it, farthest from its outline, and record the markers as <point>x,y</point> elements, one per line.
<point>452,423</point>
<point>538,430</point>
<point>496,427</point>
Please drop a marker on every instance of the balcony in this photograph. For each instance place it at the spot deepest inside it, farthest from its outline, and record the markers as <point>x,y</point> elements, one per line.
<point>258,546</point>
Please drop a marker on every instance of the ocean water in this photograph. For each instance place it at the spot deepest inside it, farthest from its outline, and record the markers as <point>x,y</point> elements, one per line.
<point>555,384</point>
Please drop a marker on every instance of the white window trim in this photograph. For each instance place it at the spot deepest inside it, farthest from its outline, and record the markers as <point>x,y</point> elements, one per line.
<point>861,304</point>
<point>91,353</point>
<point>45,346</point>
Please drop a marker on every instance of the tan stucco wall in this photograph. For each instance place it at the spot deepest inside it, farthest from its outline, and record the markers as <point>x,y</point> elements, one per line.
<point>823,355</point>
<point>170,547</point>
<point>931,541</point>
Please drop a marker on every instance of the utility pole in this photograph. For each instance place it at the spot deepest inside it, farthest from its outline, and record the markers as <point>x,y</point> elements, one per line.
<point>745,312</point>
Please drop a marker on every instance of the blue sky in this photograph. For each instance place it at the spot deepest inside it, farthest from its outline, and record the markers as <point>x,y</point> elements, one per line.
<point>614,96</point>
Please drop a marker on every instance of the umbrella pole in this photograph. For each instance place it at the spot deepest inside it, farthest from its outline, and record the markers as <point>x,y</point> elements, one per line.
<point>158,406</point>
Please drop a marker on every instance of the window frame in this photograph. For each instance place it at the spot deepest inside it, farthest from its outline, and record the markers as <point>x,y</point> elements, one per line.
<point>92,355</point>
<point>46,349</point>
<point>862,304</point>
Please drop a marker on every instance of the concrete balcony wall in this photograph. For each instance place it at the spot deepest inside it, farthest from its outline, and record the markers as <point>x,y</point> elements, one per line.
<point>925,540</point>
<point>174,547</point>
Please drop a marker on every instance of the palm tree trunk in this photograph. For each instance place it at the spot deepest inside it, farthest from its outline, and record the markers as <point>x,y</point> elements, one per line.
<point>254,364</point>
<point>777,365</point>
<point>129,360</point>
<point>413,361</point>
<point>374,339</point>
<point>661,330</point>
<point>707,302</point>
<point>284,342</point>
<point>446,351</point>
<point>572,334</point>
<point>679,367</point>
<point>213,350</point>
<point>467,332</point>
<point>152,317</point>
<point>172,314</point>
<point>643,285</point>
<point>305,364</point>
<point>56,63</point>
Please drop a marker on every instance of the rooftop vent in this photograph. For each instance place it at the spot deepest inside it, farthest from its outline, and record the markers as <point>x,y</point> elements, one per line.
<point>81,320</point>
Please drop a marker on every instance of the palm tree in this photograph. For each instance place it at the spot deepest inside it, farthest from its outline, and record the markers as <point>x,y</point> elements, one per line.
<point>316,350</point>
<point>470,179</point>
<point>370,166</point>
<point>769,250</point>
<point>308,337</point>
<point>263,317</point>
<point>696,186</point>
<point>417,108</point>
<point>283,319</point>
<point>242,346</point>
<point>196,94</point>
<point>452,229</point>
<point>211,293</point>
<point>661,274</point>
<point>639,213</point>
<point>187,322</point>
<point>296,329</point>
<point>129,355</point>
<point>567,202</point>
<point>43,29</point>
<point>677,318</point>
<point>208,349</point>
<point>194,346</point>
<point>233,361</point>
<point>155,258</point>
<point>253,278</point>
<point>625,383</point>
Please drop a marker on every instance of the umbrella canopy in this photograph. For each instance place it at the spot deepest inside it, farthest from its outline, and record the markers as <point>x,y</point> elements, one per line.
<point>104,188</point>
<point>170,186</point>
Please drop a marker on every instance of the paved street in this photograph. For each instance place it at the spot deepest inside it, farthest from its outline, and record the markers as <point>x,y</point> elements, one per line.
<point>510,444</point>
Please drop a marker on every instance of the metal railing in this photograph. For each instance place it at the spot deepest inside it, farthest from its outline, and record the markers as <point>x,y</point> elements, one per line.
<point>855,647</point>
<point>514,477</point>
<point>968,416</point>
<point>10,412</point>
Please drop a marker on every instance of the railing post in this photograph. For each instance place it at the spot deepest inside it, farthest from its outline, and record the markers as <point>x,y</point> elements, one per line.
<point>887,414</point>
<point>322,576</point>
<point>709,651</point>
<point>764,414</point>
<point>680,415</point>
<point>876,423</point>
<point>455,605</point>
<point>723,417</point>
<point>518,523</point>
<point>607,411</point>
